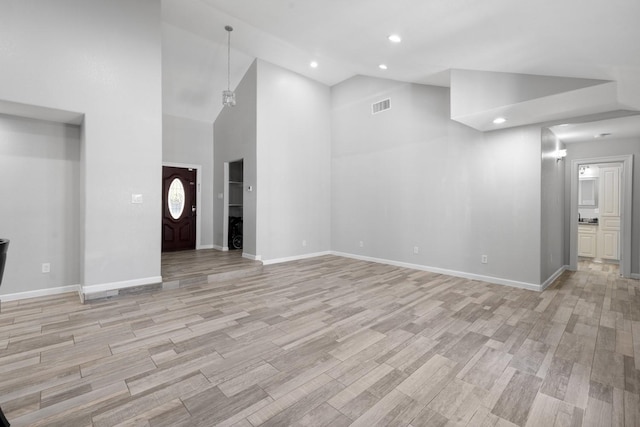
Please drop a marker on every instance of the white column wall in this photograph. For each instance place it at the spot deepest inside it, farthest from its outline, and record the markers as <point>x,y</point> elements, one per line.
<point>101,58</point>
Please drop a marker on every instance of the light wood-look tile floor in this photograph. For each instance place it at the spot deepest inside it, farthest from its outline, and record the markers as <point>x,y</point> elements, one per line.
<point>183,268</point>
<point>329,341</point>
<point>587,264</point>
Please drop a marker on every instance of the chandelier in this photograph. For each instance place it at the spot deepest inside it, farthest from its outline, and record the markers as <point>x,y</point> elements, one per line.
<point>228,96</point>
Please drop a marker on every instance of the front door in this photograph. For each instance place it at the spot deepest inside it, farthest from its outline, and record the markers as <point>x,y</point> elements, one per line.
<point>178,208</point>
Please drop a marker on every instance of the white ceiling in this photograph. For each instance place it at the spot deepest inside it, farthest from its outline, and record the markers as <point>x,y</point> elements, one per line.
<point>620,127</point>
<point>571,38</point>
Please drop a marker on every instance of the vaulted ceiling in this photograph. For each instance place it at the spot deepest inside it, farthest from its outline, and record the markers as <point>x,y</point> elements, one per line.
<point>570,38</point>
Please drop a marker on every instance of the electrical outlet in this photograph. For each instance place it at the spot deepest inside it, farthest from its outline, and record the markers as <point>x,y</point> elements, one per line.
<point>46,267</point>
<point>485,259</point>
<point>304,243</point>
<point>416,249</point>
<point>361,244</point>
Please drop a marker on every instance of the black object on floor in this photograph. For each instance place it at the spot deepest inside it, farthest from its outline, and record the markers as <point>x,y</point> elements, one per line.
<point>4,245</point>
<point>235,232</point>
<point>3,420</point>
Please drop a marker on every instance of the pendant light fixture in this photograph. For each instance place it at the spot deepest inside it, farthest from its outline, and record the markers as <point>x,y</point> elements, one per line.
<point>228,96</point>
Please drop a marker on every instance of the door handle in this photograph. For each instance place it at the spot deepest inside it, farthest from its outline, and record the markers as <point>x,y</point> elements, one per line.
<point>193,209</point>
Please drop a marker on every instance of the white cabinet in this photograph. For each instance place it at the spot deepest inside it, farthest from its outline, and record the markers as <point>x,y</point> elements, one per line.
<point>610,191</point>
<point>609,230</point>
<point>610,223</point>
<point>587,241</point>
<point>609,238</point>
<point>609,244</point>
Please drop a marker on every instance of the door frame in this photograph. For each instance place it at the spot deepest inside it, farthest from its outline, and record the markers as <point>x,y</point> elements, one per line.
<point>225,209</point>
<point>626,200</point>
<point>198,169</point>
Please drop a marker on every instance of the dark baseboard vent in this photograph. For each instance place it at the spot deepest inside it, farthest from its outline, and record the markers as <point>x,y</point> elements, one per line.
<point>381,106</point>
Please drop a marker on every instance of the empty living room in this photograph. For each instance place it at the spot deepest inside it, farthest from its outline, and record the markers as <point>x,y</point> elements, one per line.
<point>312,213</point>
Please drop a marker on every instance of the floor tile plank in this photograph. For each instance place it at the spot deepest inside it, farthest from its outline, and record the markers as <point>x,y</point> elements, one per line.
<point>327,341</point>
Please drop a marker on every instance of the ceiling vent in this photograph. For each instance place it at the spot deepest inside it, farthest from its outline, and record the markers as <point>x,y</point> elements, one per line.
<point>380,106</point>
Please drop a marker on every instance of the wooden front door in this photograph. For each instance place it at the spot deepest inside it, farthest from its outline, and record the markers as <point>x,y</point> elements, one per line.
<point>178,208</point>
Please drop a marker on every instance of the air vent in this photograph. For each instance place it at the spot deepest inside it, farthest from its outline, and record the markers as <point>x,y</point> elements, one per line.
<point>380,106</point>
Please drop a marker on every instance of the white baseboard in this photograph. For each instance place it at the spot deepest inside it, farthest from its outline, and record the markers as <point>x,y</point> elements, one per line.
<point>553,277</point>
<point>40,293</point>
<point>635,276</point>
<point>295,257</point>
<point>205,247</point>
<point>218,248</point>
<point>121,285</point>
<point>251,256</point>
<point>464,275</point>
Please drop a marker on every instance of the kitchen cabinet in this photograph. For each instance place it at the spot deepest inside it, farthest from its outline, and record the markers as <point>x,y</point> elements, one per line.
<point>609,231</point>
<point>609,238</point>
<point>587,241</point>
<point>610,191</point>
<point>609,244</point>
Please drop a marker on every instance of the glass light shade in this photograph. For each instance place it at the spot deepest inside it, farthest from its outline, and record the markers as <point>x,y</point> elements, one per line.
<point>228,98</point>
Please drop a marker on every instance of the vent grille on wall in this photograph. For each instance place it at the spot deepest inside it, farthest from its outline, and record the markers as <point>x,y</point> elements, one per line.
<point>380,106</point>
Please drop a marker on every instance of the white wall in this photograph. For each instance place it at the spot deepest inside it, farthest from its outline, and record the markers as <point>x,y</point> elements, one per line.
<point>101,58</point>
<point>234,135</point>
<point>610,147</point>
<point>412,177</point>
<point>552,212</point>
<point>194,72</point>
<point>293,152</point>
<point>39,184</point>
<point>187,141</point>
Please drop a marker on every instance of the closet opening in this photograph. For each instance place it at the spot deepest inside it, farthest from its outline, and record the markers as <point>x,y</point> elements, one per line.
<point>235,202</point>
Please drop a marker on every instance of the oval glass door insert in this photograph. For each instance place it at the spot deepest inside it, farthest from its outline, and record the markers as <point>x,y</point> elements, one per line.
<point>175,198</point>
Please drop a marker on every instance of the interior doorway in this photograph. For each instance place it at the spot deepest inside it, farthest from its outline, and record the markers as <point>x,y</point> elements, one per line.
<point>600,217</point>
<point>179,208</point>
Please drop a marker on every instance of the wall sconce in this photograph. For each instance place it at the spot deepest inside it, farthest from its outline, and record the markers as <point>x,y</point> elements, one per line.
<point>560,154</point>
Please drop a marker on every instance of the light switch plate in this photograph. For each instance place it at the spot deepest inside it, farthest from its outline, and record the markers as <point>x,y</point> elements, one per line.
<point>136,198</point>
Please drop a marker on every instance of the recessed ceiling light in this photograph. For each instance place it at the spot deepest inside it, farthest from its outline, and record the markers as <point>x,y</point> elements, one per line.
<point>395,38</point>
<point>499,120</point>
<point>382,66</point>
<point>313,64</point>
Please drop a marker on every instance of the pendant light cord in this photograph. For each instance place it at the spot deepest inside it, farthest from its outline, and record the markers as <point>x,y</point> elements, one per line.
<point>229,29</point>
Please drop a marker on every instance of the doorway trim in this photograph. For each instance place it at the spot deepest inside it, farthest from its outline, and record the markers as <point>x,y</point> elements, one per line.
<point>198,169</point>
<point>626,192</point>
<point>225,209</point>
